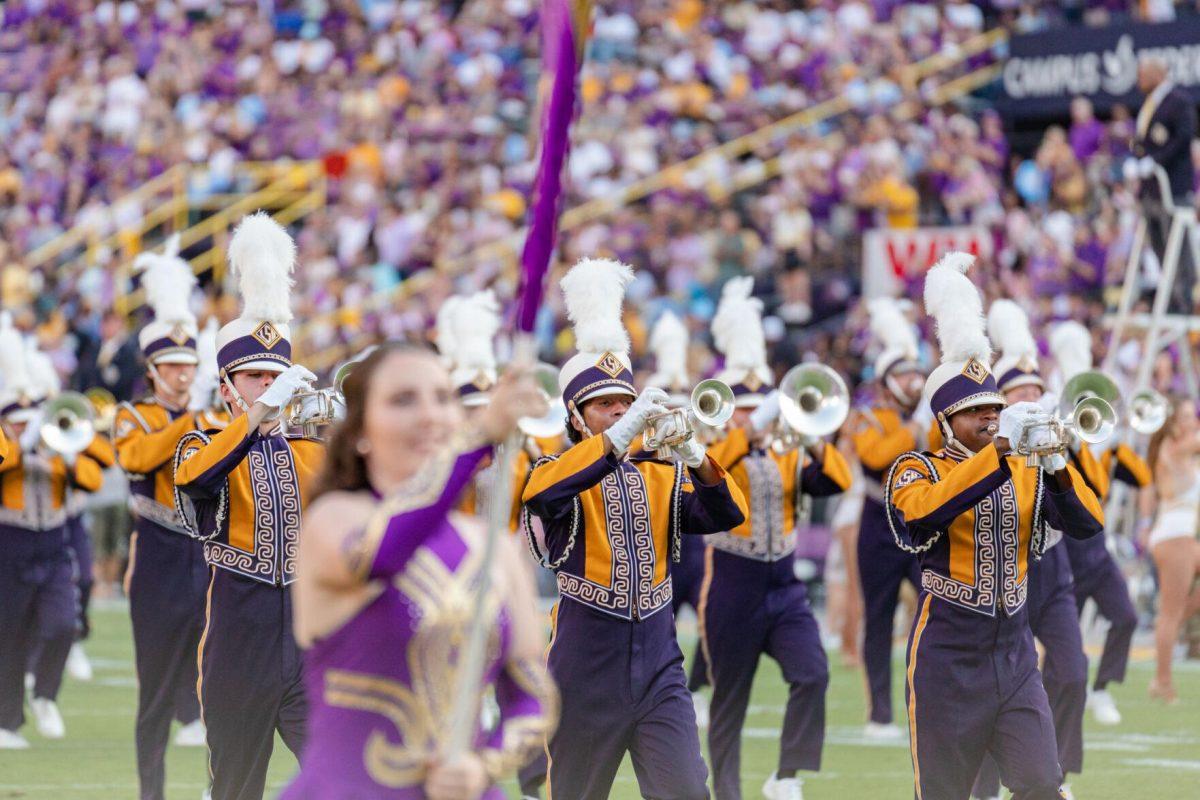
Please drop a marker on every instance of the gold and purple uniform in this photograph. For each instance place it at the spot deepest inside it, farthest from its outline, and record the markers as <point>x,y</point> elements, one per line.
<point>37,572</point>
<point>249,490</point>
<point>752,604</point>
<point>879,439</point>
<point>1097,575</point>
<point>167,582</point>
<point>973,687</point>
<point>612,526</point>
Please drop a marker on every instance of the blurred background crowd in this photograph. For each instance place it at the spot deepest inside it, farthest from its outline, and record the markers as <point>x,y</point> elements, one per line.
<point>423,130</point>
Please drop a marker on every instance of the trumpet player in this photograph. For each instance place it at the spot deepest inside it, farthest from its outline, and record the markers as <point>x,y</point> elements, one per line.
<point>976,517</point>
<point>167,576</point>
<point>36,568</point>
<point>249,484</point>
<point>613,519</point>
<point>751,601</point>
<point>879,435</point>
<point>1096,575</point>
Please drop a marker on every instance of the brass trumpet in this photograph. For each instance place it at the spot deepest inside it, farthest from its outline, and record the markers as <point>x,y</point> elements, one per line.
<point>813,402</point>
<point>1148,411</point>
<point>311,410</point>
<point>104,404</point>
<point>1092,420</point>
<point>711,404</point>
<point>68,424</point>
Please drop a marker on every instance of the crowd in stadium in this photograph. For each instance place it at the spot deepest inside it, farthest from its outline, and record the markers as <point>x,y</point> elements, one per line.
<point>424,129</point>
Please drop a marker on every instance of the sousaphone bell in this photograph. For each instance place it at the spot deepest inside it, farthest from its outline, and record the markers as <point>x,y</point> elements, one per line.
<point>813,402</point>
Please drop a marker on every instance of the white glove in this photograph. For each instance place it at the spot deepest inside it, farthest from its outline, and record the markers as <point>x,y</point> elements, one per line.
<point>767,412</point>
<point>690,452</point>
<point>32,435</point>
<point>1015,418</point>
<point>622,433</point>
<point>1146,166</point>
<point>1053,462</point>
<point>293,379</point>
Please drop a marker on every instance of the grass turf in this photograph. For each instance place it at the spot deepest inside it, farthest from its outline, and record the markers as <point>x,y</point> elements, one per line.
<point>1154,753</point>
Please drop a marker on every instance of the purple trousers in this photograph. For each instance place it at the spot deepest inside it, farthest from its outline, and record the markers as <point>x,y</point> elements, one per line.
<point>972,689</point>
<point>882,566</point>
<point>1098,577</point>
<point>1054,620</point>
<point>686,579</point>
<point>37,613</point>
<point>622,689</point>
<point>166,603</point>
<point>49,659</point>
<point>754,608</point>
<point>251,683</point>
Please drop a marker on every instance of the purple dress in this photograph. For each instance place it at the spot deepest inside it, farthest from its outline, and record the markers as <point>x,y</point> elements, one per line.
<point>382,686</point>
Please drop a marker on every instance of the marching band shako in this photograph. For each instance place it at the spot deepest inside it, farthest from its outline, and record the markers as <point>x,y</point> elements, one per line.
<point>593,290</point>
<point>168,282</point>
<point>963,379</point>
<point>262,255</point>
<point>466,331</point>
<point>1008,328</point>
<point>738,335</point>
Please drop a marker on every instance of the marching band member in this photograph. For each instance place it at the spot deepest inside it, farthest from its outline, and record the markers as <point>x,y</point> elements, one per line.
<point>47,662</point>
<point>36,569</point>
<point>880,435</point>
<point>250,484</point>
<point>377,578</point>
<point>752,603</point>
<point>669,343</point>
<point>613,519</point>
<point>1051,609</point>
<point>975,516</point>
<point>1096,574</point>
<point>167,576</point>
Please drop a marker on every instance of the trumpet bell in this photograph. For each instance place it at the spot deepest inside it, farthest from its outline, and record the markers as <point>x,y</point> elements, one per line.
<point>813,400</point>
<point>1148,411</point>
<point>712,402</point>
<point>1091,383</point>
<point>1094,420</point>
<point>68,425</point>
<point>553,422</point>
<point>104,405</point>
<point>341,374</point>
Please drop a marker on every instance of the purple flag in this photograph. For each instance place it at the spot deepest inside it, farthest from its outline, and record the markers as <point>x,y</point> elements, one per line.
<point>564,34</point>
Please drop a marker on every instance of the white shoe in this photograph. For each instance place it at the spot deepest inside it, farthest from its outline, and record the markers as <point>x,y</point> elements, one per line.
<point>78,665</point>
<point>29,682</point>
<point>1065,791</point>
<point>207,795</point>
<point>1104,708</point>
<point>882,731</point>
<point>700,703</point>
<point>783,788</point>
<point>191,735</point>
<point>45,715</point>
<point>11,740</point>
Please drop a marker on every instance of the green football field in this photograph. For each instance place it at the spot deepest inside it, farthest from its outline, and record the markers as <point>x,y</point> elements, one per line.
<point>1154,753</point>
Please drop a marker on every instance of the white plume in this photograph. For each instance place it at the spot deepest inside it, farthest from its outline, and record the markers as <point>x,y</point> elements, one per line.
<point>669,341</point>
<point>445,329</point>
<point>1071,344</point>
<point>13,367</point>
<point>737,328</point>
<point>207,380</point>
<point>593,290</point>
<point>475,324</point>
<point>43,377</point>
<point>954,303</point>
<point>168,281</point>
<point>1008,328</point>
<point>262,255</point>
<point>891,328</point>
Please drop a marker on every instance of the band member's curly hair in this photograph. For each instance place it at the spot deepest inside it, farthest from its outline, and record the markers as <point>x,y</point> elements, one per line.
<point>345,470</point>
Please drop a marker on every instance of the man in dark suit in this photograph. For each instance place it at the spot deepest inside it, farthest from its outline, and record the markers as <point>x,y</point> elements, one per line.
<point>1166,125</point>
<point>111,361</point>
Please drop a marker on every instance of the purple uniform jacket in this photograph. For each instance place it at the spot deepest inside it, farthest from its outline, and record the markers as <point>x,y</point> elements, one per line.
<point>382,686</point>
